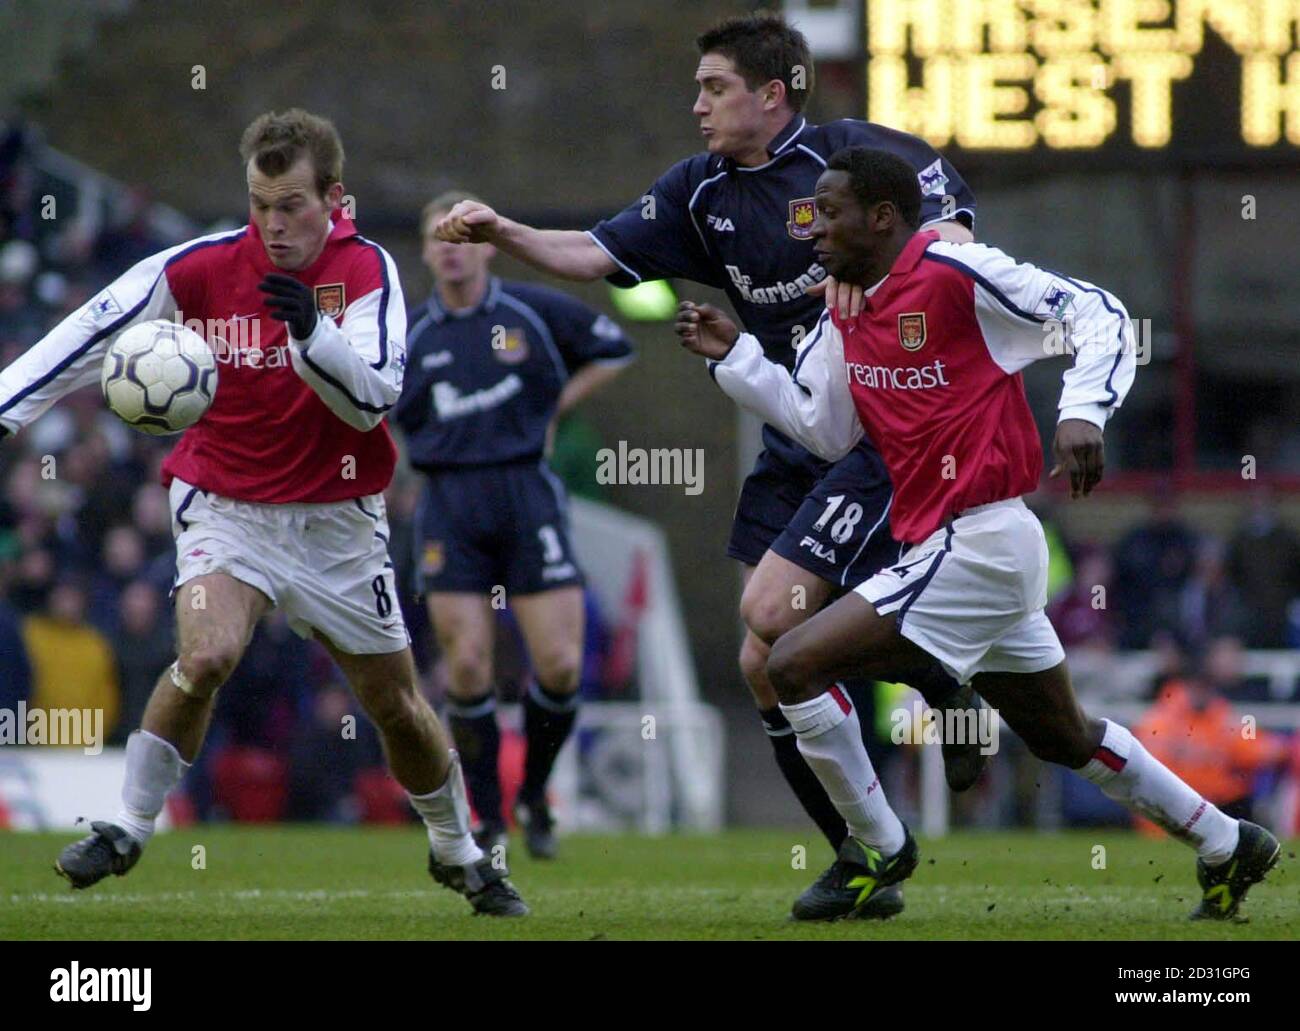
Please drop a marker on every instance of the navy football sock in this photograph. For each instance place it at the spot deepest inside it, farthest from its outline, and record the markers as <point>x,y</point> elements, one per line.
<point>799,775</point>
<point>478,740</point>
<point>548,721</point>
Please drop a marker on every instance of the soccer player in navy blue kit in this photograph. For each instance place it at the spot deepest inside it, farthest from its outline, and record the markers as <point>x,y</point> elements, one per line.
<point>739,217</point>
<point>490,366</point>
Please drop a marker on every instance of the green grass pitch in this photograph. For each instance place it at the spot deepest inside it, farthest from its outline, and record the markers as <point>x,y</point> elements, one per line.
<point>310,882</point>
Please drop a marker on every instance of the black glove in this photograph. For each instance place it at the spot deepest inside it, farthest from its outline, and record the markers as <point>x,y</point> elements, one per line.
<point>291,302</point>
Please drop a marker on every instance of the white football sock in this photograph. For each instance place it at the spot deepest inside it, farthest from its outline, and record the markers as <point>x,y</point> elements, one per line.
<point>1128,773</point>
<point>153,768</point>
<point>446,813</point>
<point>830,739</point>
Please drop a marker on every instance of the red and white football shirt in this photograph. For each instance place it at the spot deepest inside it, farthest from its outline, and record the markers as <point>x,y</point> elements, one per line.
<point>292,421</point>
<point>931,369</point>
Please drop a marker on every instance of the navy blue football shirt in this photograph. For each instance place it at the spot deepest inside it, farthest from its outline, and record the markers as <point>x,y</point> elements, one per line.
<point>482,385</point>
<point>749,230</point>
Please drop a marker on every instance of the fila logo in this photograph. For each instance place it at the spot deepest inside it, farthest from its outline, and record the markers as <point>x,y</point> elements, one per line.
<point>722,225</point>
<point>817,548</point>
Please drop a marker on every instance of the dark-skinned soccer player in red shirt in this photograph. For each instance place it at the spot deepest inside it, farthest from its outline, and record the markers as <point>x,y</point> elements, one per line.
<point>930,370</point>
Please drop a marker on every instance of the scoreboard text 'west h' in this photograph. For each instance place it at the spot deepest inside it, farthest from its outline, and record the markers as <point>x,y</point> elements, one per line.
<point>1200,80</point>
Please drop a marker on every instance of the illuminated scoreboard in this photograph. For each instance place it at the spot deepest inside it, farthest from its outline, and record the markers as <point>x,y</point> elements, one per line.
<point>1195,79</point>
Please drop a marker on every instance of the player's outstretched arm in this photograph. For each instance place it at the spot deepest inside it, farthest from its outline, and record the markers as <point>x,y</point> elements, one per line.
<point>568,254</point>
<point>71,355</point>
<point>813,406</point>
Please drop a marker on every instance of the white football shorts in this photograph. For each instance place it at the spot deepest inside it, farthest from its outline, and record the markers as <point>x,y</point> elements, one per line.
<point>325,565</point>
<point>972,593</point>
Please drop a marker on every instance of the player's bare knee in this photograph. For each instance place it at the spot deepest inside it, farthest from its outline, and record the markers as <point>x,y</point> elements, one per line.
<point>769,617</point>
<point>753,666</point>
<point>559,669</point>
<point>471,674</point>
<point>204,668</point>
<point>753,659</point>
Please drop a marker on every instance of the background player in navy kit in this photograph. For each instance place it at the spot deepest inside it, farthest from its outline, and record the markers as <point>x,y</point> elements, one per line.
<point>491,365</point>
<point>739,217</point>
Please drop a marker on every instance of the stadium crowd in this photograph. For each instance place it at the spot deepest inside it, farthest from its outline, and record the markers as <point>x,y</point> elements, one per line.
<point>86,566</point>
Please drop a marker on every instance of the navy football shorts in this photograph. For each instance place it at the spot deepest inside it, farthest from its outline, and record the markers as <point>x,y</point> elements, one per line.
<point>835,525</point>
<point>483,527</point>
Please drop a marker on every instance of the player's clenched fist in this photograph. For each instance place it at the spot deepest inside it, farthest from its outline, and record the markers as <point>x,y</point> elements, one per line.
<point>469,221</point>
<point>290,301</point>
<point>705,330</point>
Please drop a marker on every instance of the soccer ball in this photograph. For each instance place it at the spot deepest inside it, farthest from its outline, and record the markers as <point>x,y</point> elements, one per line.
<point>159,377</point>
